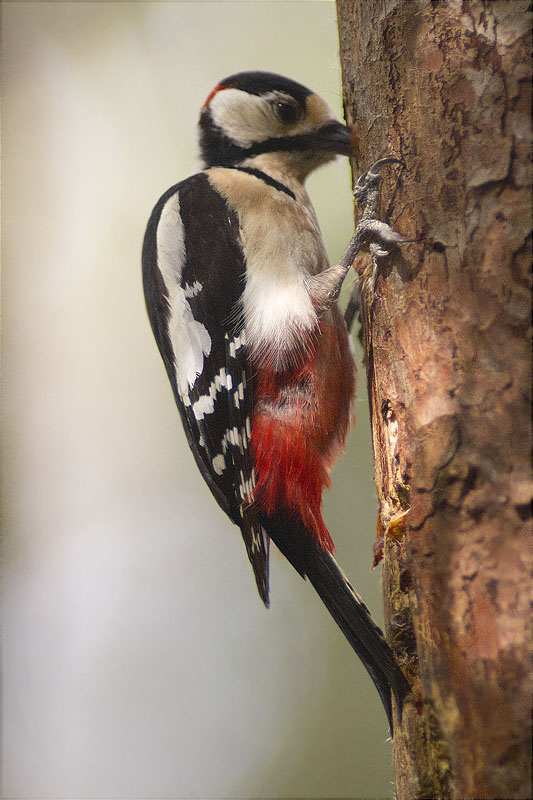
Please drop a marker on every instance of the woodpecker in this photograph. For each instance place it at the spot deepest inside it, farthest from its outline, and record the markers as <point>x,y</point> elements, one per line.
<point>243,305</point>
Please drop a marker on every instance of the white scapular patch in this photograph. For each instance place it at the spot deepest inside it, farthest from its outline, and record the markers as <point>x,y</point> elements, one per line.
<point>206,402</point>
<point>189,338</point>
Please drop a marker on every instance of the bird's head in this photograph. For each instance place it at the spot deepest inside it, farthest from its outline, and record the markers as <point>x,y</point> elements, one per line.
<point>251,114</point>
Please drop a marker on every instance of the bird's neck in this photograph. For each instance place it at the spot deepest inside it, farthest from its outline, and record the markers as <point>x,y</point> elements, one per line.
<point>291,169</point>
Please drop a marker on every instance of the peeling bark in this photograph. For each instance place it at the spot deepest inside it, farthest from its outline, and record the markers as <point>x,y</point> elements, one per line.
<point>446,87</point>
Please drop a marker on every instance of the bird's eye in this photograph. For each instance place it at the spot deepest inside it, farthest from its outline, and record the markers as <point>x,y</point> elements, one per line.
<point>288,112</point>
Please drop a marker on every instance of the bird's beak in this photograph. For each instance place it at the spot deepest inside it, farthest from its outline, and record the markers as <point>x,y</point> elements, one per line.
<point>334,138</point>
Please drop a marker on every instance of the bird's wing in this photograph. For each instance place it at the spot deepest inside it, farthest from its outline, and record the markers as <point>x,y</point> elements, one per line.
<point>193,273</point>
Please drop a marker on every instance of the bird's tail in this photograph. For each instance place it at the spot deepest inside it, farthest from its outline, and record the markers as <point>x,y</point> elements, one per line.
<point>354,619</point>
<point>347,608</point>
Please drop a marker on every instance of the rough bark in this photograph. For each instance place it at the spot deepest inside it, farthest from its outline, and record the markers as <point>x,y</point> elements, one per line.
<point>446,87</point>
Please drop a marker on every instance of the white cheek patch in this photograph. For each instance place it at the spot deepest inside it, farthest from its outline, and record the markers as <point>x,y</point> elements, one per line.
<point>244,117</point>
<point>248,118</point>
<point>189,338</point>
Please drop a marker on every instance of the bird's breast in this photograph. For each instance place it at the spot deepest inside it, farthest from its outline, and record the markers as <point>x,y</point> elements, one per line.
<point>282,246</point>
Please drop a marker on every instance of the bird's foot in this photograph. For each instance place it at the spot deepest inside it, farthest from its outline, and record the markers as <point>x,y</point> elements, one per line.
<point>380,236</point>
<point>366,188</point>
<point>371,232</point>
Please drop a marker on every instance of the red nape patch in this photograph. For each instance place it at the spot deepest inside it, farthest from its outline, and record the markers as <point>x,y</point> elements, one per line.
<point>290,474</point>
<point>218,88</point>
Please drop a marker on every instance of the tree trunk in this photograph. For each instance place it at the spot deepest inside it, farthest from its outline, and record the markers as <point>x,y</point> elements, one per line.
<point>446,87</point>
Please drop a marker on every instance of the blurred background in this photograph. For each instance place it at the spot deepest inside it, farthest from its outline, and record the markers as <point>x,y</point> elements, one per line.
<point>139,661</point>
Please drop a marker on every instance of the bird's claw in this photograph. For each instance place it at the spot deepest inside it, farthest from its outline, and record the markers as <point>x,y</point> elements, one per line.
<point>371,179</point>
<point>366,192</point>
<point>380,238</point>
<point>384,238</point>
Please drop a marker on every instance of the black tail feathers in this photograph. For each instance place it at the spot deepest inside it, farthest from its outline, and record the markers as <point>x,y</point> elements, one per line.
<point>354,619</point>
<point>346,607</point>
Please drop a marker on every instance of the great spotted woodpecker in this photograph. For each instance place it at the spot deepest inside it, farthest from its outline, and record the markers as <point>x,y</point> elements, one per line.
<point>242,303</point>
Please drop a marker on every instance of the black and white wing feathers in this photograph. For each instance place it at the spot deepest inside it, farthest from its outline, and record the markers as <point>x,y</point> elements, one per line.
<point>240,407</point>
<point>193,273</point>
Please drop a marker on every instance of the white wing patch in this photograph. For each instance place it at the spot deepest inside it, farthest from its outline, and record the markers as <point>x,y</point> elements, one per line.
<point>189,338</point>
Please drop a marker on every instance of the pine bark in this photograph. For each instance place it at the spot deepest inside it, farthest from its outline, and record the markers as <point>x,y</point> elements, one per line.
<point>446,87</point>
